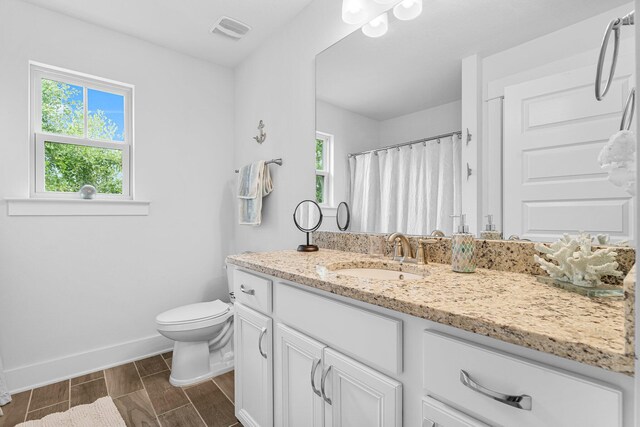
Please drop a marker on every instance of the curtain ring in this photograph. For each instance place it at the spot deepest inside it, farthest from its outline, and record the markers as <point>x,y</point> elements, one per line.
<point>438,140</point>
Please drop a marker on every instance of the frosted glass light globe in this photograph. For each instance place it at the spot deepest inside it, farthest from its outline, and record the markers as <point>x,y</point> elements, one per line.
<point>407,10</point>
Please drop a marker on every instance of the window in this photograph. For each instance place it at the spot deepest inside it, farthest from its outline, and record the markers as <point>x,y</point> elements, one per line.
<point>82,134</point>
<point>324,162</point>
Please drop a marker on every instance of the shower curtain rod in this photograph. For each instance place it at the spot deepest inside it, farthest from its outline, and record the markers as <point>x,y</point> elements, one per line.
<point>431,138</point>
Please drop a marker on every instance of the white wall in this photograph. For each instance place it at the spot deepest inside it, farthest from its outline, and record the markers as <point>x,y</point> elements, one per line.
<point>277,84</point>
<point>78,293</point>
<point>421,124</point>
<point>352,133</point>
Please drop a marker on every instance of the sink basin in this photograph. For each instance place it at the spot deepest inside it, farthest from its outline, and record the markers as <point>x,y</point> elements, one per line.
<point>378,273</point>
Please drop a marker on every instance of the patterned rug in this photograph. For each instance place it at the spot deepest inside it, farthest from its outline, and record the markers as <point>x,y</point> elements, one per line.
<point>101,413</point>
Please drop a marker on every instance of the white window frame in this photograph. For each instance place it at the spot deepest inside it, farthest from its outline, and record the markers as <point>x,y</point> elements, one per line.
<point>327,172</point>
<point>37,72</point>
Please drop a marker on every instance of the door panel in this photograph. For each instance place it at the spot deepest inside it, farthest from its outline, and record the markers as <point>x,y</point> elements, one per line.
<point>296,404</point>
<point>553,183</point>
<point>254,374</point>
<point>360,396</point>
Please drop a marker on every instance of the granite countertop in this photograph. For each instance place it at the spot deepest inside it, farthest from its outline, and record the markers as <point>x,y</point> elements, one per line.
<point>512,307</point>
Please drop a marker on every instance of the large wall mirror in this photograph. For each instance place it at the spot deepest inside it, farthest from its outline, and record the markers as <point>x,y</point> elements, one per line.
<point>390,111</point>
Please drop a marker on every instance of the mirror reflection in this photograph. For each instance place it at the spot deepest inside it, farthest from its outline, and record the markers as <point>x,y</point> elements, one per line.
<point>343,216</point>
<point>495,115</point>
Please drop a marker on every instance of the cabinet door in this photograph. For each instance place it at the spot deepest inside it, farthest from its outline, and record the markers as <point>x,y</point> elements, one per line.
<point>254,368</point>
<point>298,367</point>
<point>437,414</point>
<point>358,396</point>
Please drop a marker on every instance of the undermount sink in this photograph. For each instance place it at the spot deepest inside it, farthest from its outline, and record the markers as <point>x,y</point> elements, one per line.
<point>378,273</point>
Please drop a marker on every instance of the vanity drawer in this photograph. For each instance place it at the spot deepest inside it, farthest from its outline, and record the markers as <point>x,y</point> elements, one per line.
<point>362,334</point>
<point>557,398</point>
<point>252,291</point>
<point>437,414</point>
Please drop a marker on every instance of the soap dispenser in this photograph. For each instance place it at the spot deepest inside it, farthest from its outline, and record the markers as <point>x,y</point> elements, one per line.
<point>463,245</point>
<point>490,232</point>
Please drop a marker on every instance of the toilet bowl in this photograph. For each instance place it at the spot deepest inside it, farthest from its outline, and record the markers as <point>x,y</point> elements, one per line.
<point>203,346</point>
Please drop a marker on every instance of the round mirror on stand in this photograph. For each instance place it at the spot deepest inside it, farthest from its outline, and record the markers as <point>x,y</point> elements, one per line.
<point>307,217</point>
<point>343,216</point>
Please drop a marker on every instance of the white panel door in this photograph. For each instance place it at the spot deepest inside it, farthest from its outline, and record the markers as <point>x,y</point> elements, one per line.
<point>358,396</point>
<point>297,371</point>
<point>554,130</point>
<point>254,367</point>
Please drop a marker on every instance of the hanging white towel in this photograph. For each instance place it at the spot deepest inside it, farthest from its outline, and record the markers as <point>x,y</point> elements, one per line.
<point>254,183</point>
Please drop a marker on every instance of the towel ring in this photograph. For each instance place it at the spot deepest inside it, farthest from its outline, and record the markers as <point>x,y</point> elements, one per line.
<point>613,27</point>
<point>629,111</point>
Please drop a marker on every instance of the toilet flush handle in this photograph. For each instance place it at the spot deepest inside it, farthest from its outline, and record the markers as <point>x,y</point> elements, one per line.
<point>247,291</point>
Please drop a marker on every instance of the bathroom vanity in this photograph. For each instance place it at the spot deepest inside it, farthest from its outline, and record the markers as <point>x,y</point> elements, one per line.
<point>315,347</point>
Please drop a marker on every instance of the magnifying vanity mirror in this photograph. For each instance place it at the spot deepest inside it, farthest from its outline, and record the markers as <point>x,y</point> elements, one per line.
<point>307,217</point>
<point>483,109</point>
<point>343,216</point>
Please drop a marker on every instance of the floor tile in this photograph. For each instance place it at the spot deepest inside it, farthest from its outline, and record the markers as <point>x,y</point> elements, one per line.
<point>123,379</point>
<point>212,405</point>
<point>167,355</point>
<point>168,361</point>
<point>185,416</point>
<point>88,377</point>
<point>164,397</point>
<point>226,383</point>
<point>136,409</point>
<point>88,392</point>
<point>151,365</point>
<point>49,395</point>
<point>41,413</point>
<point>16,411</point>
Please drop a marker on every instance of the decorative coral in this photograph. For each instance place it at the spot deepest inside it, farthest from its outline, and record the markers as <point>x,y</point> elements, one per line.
<point>619,159</point>
<point>576,262</point>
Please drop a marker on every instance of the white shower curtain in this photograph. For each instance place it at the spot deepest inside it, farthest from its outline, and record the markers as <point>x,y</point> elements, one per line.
<point>414,189</point>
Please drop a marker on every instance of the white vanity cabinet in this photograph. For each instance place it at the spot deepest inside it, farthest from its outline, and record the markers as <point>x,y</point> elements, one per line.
<point>253,367</point>
<point>317,386</point>
<point>298,363</point>
<point>307,358</point>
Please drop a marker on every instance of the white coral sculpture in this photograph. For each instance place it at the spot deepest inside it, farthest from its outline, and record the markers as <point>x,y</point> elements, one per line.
<point>576,262</point>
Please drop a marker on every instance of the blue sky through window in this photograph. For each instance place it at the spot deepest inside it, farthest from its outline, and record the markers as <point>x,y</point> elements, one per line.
<point>112,105</point>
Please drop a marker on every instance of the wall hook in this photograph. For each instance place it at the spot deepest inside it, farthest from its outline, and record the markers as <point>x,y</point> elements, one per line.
<point>262,135</point>
<point>469,171</point>
<point>468,136</point>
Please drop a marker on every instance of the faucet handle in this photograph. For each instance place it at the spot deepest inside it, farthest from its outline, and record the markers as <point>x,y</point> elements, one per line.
<point>397,248</point>
<point>421,254</point>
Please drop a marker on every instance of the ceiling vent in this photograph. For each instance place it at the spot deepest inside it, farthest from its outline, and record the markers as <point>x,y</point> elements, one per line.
<point>230,28</point>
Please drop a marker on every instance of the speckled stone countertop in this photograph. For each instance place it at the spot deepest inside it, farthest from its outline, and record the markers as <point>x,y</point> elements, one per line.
<point>511,307</point>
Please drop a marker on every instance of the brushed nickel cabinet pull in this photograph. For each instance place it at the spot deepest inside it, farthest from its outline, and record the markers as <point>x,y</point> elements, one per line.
<point>521,402</point>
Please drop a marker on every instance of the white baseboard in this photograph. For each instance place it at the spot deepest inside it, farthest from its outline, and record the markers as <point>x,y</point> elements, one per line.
<point>54,370</point>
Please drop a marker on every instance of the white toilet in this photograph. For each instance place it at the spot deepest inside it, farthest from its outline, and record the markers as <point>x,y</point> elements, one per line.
<point>203,340</point>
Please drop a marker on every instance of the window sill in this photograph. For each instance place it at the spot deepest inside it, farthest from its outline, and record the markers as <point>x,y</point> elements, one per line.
<point>329,211</point>
<point>76,207</point>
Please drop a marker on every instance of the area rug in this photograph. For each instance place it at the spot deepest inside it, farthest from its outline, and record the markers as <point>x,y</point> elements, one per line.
<point>101,413</point>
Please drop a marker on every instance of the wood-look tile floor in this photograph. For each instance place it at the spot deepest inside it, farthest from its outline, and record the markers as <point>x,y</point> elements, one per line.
<point>141,392</point>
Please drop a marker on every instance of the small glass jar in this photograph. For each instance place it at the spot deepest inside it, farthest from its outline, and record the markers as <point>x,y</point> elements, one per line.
<point>377,246</point>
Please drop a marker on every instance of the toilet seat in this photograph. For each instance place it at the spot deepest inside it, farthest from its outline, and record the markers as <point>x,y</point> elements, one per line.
<point>194,316</point>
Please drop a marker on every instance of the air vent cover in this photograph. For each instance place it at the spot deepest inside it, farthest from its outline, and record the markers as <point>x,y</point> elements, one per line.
<point>231,28</point>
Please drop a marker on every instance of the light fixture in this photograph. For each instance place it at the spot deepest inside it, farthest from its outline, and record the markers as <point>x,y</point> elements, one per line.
<point>353,11</point>
<point>407,10</point>
<point>377,27</point>
<point>386,1</point>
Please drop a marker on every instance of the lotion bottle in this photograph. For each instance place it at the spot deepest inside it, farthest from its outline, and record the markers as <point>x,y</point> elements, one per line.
<point>490,232</point>
<point>463,247</point>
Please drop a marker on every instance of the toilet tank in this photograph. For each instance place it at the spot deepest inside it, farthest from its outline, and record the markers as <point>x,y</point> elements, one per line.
<point>230,269</point>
